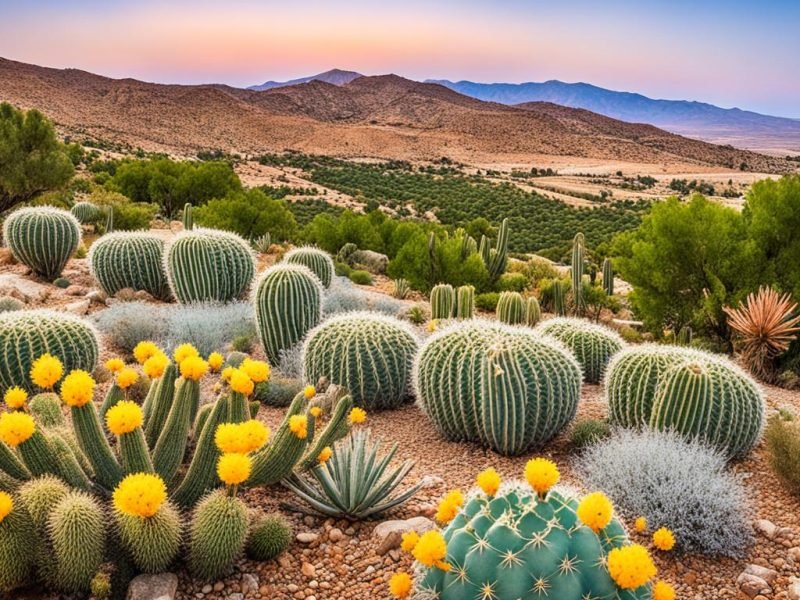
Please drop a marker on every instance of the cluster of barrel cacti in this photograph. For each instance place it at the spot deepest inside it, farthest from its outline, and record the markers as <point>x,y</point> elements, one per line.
<point>698,394</point>
<point>132,260</point>
<point>448,302</point>
<point>318,262</point>
<point>514,309</point>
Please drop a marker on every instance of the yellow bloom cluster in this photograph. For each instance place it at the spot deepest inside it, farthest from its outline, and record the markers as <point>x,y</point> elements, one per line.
<point>489,481</point>
<point>193,367</point>
<point>140,495</point>
<point>663,591</point>
<point>6,505</point>
<point>432,326</point>
<point>145,350</point>
<point>183,352</point>
<point>595,511</point>
<point>124,417</point>
<point>127,377</point>
<point>257,370</point>
<point>215,361</point>
<point>631,566</point>
<point>227,372</point>
<point>357,415</point>
<point>664,539</point>
<point>16,427</point>
<point>542,474</point>
<point>640,524</point>
<point>114,364</point>
<point>400,585</point>
<point>409,540</point>
<point>155,366</point>
<point>15,397</point>
<point>309,392</point>
<point>46,371</point>
<point>448,507</point>
<point>316,412</point>
<point>298,424</point>
<point>240,382</point>
<point>77,389</point>
<point>325,454</point>
<point>431,549</point>
<point>234,468</point>
<point>241,438</point>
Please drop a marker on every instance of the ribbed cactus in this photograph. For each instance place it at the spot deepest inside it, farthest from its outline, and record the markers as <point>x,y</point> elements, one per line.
<point>533,312</point>
<point>502,386</point>
<point>42,238</point>
<point>318,262</point>
<point>27,334</point>
<point>367,353</point>
<point>684,337</point>
<point>188,217</point>
<point>46,409</point>
<point>511,308</point>
<point>95,446</point>
<point>443,299</point>
<point>517,545</point>
<point>17,534</point>
<point>576,270</point>
<point>11,464</point>
<point>129,260</point>
<point>208,265</point>
<point>288,303</point>
<point>171,445</point>
<point>109,219</point>
<point>496,258</point>
<point>153,541</point>
<point>608,277</point>
<point>465,302</point>
<point>559,300</point>
<point>160,405</point>
<point>269,537</point>
<point>593,345</point>
<point>218,535</point>
<point>86,212</point>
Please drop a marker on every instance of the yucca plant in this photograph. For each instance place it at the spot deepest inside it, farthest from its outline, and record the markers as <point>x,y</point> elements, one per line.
<point>354,482</point>
<point>766,324</point>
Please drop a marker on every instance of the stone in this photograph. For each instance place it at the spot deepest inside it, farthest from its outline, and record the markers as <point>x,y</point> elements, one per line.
<point>767,528</point>
<point>308,570</point>
<point>764,573</point>
<point>752,585</point>
<point>207,588</point>
<point>335,535</point>
<point>390,533</point>
<point>249,584</point>
<point>21,288</point>
<point>143,296</point>
<point>307,537</point>
<point>126,295</point>
<point>161,586</point>
<point>80,308</point>
<point>794,554</point>
<point>75,290</point>
<point>96,296</point>
<point>793,592</point>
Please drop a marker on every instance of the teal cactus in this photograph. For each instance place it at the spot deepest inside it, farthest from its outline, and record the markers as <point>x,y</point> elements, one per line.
<point>218,535</point>
<point>109,219</point>
<point>496,258</point>
<point>684,337</point>
<point>42,238</point>
<point>17,533</point>
<point>367,353</point>
<point>269,536</point>
<point>129,260</point>
<point>188,217</point>
<point>533,312</point>
<point>11,464</point>
<point>511,308</point>
<point>92,441</point>
<point>27,334</point>
<point>504,387</point>
<point>318,262</point>
<point>608,277</point>
<point>576,270</point>
<point>593,345</point>
<point>528,546</point>
<point>465,302</point>
<point>443,300</point>
<point>208,265</point>
<point>288,303</point>
<point>86,212</point>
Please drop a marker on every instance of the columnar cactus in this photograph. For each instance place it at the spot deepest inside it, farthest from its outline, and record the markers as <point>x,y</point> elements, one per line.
<point>608,277</point>
<point>27,334</point>
<point>86,212</point>
<point>318,261</point>
<point>367,353</point>
<point>42,238</point>
<point>511,308</point>
<point>576,270</point>
<point>443,299</point>
<point>465,302</point>
<point>496,258</point>
<point>559,302</point>
<point>171,445</point>
<point>17,533</point>
<point>593,345</point>
<point>129,260</point>
<point>504,387</point>
<point>288,302</point>
<point>208,265</point>
<point>533,313</point>
<point>188,217</point>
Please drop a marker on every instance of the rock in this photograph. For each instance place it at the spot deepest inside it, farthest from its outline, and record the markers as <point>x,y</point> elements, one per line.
<point>249,584</point>
<point>335,535</point>
<point>308,570</point>
<point>126,295</point>
<point>391,533</point>
<point>143,296</point>
<point>21,288</point>
<point>96,296</point>
<point>793,592</point>
<point>794,554</point>
<point>750,584</point>
<point>236,596</point>
<point>307,537</point>
<point>75,290</point>
<point>80,308</point>
<point>767,528</point>
<point>161,586</point>
<point>764,573</point>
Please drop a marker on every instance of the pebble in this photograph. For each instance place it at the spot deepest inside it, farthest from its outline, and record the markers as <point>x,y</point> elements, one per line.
<point>307,537</point>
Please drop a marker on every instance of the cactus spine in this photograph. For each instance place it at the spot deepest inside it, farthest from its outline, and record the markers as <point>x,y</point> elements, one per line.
<point>129,260</point>
<point>133,452</point>
<point>160,405</point>
<point>27,334</point>
<point>188,217</point>
<point>511,308</point>
<point>317,261</point>
<point>578,260</point>
<point>608,277</point>
<point>16,560</point>
<point>269,537</point>
<point>42,238</point>
<point>46,408</point>
<point>504,387</point>
<point>288,302</point>
<point>208,265</point>
<point>533,313</point>
<point>11,465</point>
<point>443,300</point>
<point>218,535</point>
<point>465,302</point>
<point>367,353</point>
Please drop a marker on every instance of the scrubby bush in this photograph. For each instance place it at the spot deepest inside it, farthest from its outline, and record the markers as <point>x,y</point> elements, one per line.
<point>783,444</point>
<point>586,432</point>
<point>512,282</point>
<point>487,301</point>
<point>128,216</point>
<point>251,214</point>
<point>681,485</point>
<point>128,323</point>
<point>361,277</point>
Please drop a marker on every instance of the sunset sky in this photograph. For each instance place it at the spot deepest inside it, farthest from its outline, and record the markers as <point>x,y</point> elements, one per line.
<point>730,53</point>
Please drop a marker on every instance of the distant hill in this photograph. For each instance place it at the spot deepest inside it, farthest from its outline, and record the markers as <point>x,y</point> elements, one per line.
<point>741,128</point>
<point>334,76</point>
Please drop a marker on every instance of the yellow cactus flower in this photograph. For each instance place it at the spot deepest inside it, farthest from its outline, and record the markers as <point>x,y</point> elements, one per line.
<point>227,373</point>
<point>357,415</point>
<point>16,427</point>
<point>631,566</point>
<point>542,474</point>
<point>409,540</point>
<point>124,417</point>
<point>298,424</point>
<point>430,549</point>
<point>183,352</point>
<point>309,392</point>
<point>400,585</point>
<point>193,368</point>
<point>6,505</point>
<point>489,481</point>
<point>257,370</point>
<point>448,507</point>
<point>325,455</point>
<point>233,468</point>
<point>215,361</point>
<point>432,325</point>
<point>316,412</point>
<point>255,434</point>
<point>240,382</point>
<point>77,389</point>
<point>140,495</point>
<point>229,439</point>
<point>640,525</point>
<point>155,366</point>
<point>663,591</point>
<point>664,539</point>
<point>127,377</point>
<point>145,350</point>
<point>595,511</point>
<point>15,397</point>
<point>115,364</point>
<point>46,371</point>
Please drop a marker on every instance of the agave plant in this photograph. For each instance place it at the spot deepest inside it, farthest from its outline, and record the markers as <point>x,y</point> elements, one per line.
<point>766,324</point>
<point>355,482</point>
<point>262,244</point>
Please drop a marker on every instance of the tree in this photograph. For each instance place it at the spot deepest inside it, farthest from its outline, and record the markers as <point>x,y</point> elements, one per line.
<point>32,159</point>
<point>251,214</point>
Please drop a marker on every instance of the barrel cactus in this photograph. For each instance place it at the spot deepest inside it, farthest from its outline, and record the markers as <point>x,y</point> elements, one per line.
<point>504,387</point>
<point>208,265</point>
<point>511,308</point>
<point>86,212</point>
<point>27,334</point>
<point>593,345</point>
<point>129,260</point>
<point>533,312</point>
<point>367,353</point>
<point>42,238</point>
<point>318,261</point>
<point>465,302</point>
<point>288,302</point>
<point>443,299</point>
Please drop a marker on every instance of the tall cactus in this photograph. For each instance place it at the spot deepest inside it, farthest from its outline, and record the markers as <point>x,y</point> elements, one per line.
<point>171,445</point>
<point>593,345</point>
<point>496,258</point>
<point>27,334</point>
<point>443,300</point>
<point>559,302</point>
<point>576,270</point>
<point>42,238</point>
<point>318,262</point>
<point>288,303</point>
<point>208,265</point>
<point>504,387</point>
<point>533,312</point>
<point>130,260</point>
<point>511,308</point>
<point>188,217</point>
<point>465,302</point>
<point>109,219</point>
<point>367,353</point>
<point>608,277</point>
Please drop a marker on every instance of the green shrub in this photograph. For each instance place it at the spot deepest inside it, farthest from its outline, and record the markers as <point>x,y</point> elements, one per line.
<point>361,277</point>
<point>512,282</point>
<point>243,343</point>
<point>251,214</point>
<point>487,301</point>
<point>783,445</point>
<point>588,431</point>
<point>342,269</point>
<point>128,216</point>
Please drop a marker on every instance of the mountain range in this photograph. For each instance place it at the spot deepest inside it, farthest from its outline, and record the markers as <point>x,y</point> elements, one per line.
<point>334,76</point>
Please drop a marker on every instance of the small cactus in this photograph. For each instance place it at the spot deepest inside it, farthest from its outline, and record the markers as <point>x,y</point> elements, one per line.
<point>129,260</point>
<point>443,299</point>
<point>270,535</point>
<point>17,533</point>
<point>86,212</point>
<point>42,238</point>
<point>511,308</point>
<point>188,217</point>
<point>533,313</point>
<point>317,261</point>
<point>576,270</point>
<point>401,289</point>
<point>262,243</point>
<point>218,535</point>
<point>465,302</point>
<point>608,277</point>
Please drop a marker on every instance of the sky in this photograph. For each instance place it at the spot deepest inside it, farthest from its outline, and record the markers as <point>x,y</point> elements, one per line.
<point>729,53</point>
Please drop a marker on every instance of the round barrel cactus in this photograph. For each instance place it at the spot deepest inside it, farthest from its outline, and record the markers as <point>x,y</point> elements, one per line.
<point>208,265</point>
<point>593,345</point>
<point>504,387</point>
<point>511,308</point>
<point>130,260</point>
<point>318,261</point>
<point>27,334</point>
<point>86,212</point>
<point>368,353</point>
<point>443,300</point>
<point>42,238</point>
<point>288,302</point>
